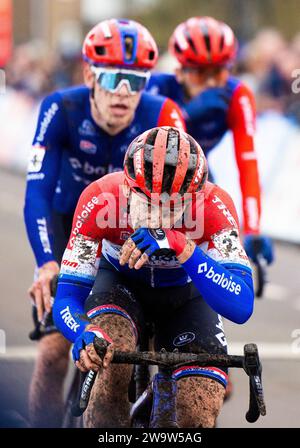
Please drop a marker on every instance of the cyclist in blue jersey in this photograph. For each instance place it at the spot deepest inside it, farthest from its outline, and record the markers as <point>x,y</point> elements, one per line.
<point>214,102</point>
<point>82,134</point>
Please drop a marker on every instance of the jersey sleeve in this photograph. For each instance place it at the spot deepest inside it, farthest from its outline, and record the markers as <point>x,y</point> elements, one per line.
<point>241,120</point>
<point>87,229</point>
<point>221,232</point>
<point>42,176</point>
<point>158,84</point>
<point>171,115</point>
<point>80,262</point>
<point>219,266</point>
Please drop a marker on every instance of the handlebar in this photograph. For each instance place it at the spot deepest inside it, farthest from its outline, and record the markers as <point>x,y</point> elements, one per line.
<point>250,362</point>
<point>170,359</point>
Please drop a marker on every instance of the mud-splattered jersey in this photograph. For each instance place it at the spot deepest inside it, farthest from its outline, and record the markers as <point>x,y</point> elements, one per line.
<point>101,225</point>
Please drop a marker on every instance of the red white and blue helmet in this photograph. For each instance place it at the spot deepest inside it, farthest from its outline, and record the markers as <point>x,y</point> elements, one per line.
<point>122,43</point>
<point>203,41</point>
<point>165,160</point>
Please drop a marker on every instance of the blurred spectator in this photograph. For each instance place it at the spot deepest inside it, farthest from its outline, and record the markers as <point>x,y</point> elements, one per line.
<point>258,56</point>
<point>36,72</point>
<point>267,63</point>
<point>32,73</point>
<point>296,44</point>
<point>275,91</point>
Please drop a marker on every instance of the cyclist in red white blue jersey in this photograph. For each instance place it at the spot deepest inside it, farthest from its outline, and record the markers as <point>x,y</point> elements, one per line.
<point>159,244</point>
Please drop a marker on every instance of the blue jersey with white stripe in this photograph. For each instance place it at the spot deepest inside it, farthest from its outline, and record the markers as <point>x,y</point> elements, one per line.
<point>70,151</point>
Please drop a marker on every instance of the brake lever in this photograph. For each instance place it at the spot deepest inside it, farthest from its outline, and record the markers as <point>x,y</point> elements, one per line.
<point>39,330</point>
<point>86,385</point>
<point>253,368</point>
<point>261,271</point>
<point>53,285</point>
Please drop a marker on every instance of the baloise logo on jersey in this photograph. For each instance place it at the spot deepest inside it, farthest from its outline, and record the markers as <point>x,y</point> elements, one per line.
<point>219,279</point>
<point>47,118</point>
<point>82,217</point>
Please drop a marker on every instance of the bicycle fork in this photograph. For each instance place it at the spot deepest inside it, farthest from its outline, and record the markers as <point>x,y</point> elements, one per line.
<point>163,413</point>
<point>156,406</point>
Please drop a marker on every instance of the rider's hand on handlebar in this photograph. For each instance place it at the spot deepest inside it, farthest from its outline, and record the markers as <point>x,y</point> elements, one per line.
<point>84,353</point>
<point>40,290</point>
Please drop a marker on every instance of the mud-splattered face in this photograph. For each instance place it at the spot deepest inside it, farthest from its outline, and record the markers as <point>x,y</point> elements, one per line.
<point>144,213</point>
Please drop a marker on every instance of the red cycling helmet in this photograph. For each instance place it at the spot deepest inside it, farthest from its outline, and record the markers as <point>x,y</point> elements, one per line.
<point>203,41</point>
<point>165,160</point>
<point>120,42</point>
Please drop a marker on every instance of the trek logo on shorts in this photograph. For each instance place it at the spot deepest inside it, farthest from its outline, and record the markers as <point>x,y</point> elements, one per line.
<point>184,338</point>
<point>219,279</point>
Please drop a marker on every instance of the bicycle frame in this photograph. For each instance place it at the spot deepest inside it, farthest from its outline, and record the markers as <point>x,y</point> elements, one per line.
<point>158,405</point>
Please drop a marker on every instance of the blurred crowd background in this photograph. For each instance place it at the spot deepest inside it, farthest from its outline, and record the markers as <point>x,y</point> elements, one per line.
<point>40,51</point>
<point>47,36</point>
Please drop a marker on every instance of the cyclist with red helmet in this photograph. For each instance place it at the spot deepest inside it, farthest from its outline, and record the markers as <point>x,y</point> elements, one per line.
<point>214,102</point>
<point>82,134</point>
<point>160,244</point>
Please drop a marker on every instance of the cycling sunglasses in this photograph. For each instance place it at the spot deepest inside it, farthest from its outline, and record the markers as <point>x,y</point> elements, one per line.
<point>112,79</point>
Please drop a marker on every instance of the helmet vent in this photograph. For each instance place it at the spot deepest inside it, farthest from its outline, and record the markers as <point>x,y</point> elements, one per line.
<point>222,41</point>
<point>168,177</point>
<point>129,45</point>
<point>207,43</point>
<point>172,148</point>
<point>151,55</point>
<point>148,166</point>
<point>191,169</point>
<point>190,41</point>
<point>205,32</point>
<point>177,48</point>
<point>152,137</point>
<point>130,167</point>
<point>100,50</point>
